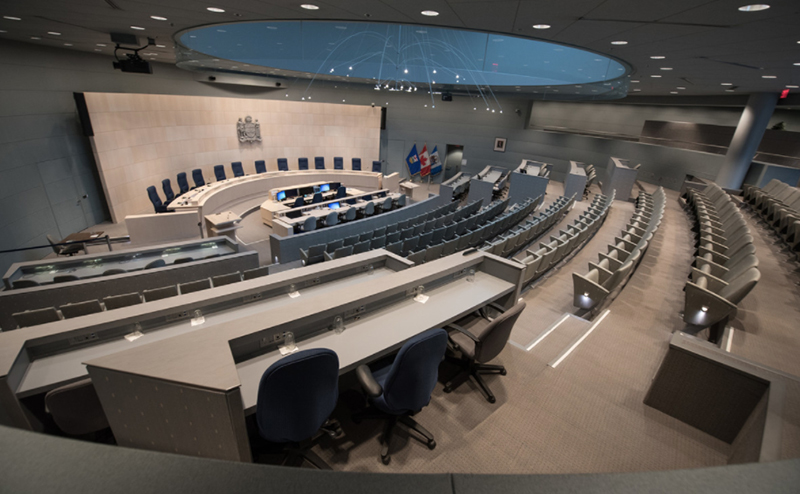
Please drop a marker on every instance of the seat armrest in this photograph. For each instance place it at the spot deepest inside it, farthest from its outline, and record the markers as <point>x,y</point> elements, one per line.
<point>368,382</point>
<point>463,331</point>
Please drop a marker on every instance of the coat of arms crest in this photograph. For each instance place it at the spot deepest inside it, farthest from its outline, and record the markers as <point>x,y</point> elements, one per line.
<point>248,130</point>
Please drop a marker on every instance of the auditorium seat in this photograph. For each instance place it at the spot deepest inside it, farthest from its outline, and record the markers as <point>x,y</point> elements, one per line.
<point>251,274</point>
<point>35,317</point>
<point>160,293</point>
<point>195,286</point>
<point>124,300</point>
<point>80,309</point>
<point>226,279</point>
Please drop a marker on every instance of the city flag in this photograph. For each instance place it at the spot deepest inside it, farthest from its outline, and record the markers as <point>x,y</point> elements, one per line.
<point>425,161</point>
<point>436,165</point>
<point>413,161</point>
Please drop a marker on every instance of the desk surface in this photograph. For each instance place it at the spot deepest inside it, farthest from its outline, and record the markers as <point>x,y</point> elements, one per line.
<point>82,237</point>
<point>384,331</point>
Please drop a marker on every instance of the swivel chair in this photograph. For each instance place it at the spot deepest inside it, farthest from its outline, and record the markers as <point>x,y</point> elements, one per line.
<point>319,163</point>
<point>76,409</point>
<point>261,166</point>
<point>197,176</point>
<point>157,204</point>
<point>283,164</point>
<point>219,172</point>
<point>296,396</point>
<point>66,250</point>
<point>317,198</point>
<point>168,193</point>
<point>356,165</point>
<point>376,166</point>
<point>238,171</point>
<point>341,192</point>
<point>338,163</point>
<point>183,184</point>
<point>404,387</point>
<point>302,163</point>
<point>479,339</point>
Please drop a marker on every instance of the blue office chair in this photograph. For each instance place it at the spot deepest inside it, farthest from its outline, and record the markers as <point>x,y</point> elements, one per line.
<point>404,387</point>
<point>238,171</point>
<point>319,163</point>
<point>338,163</point>
<point>302,163</point>
<point>376,166</point>
<point>317,198</point>
<point>219,172</point>
<point>183,184</point>
<point>296,396</point>
<point>261,166</point>
<point>283,164</point>
<point>197,176</point>
<point>157,204</point>
<point>341,192</point>
<point>356,164</point>
<point>167,187</point>
<point>299,201</point>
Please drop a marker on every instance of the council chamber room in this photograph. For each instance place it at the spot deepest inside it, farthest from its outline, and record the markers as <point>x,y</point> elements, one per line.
<point>448,247</point>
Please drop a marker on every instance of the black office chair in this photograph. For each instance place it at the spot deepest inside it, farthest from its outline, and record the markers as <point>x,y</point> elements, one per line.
<point>479,338</point>
<point>156,264</point>
<point>341,192</point>
<point>219,172</point>
<point>238,171</point>
<point>66,250</point>
<point>356,165</point>
<point>296,396</point>
<point>319,163</point>
<point>338,163</point>
<point>24,283</point>
<point>376,166</point>
<point>317,198</point>
<point>400,389</point>
<point>157,204</point>
<point>302,163</point>
<point>112,272</point>
<point>65,278</point>
<point>197,176</point>
<point>283,164</point>
<point>76,409</point>
<point>166,186</point>
<point>261,166</point>
<point>299,202</point>
<point>183,184</point>
<point>183,260</point>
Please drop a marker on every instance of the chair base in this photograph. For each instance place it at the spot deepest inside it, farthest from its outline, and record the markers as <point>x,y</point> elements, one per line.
<point>389,428</point>
<point>474,370</point>
<point>297,453</point>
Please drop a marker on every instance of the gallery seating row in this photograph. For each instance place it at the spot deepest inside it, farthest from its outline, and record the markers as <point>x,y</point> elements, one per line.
<point>725,267</point>
<point>778,204</point>
<point>377,239</point>
<point>591,289</point>
<point>470,232</point>
<point>238,171</point>
<point>512,241</point>
<point>68,311</point>
<point>550,253</point>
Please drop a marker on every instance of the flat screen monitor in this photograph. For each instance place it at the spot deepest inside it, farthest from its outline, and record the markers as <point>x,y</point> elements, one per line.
<point>306,191</point>
<point>316,189</point>
<point>291,192</point>
<point>281,195</point>
<point>325,187</point>
<point>336,185</point>
<point>333,205</point>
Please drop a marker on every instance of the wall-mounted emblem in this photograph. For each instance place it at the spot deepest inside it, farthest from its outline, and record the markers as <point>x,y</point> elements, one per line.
<point>248,130</point>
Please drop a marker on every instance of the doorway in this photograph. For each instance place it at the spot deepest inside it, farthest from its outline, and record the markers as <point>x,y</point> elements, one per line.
<point>452,160</point>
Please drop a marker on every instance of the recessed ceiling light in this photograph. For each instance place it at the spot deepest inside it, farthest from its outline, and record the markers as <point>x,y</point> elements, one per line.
<point>619,42</point>
<point>666,68</point>
<point>541,26</point>
<point>792,87</point>
<point>310,6</point>
<point>100,44</point>
<point>726,84</point>
<point>67,44</point>
<point>12,18</point>
<point>655,75</point>
<point>35,37</point>
<point>138,28</point>
<point>3,31</point>
<point>637,89</point>
<point>634,82</point>
<point>658,57</point>
<point>161,46</point>
<point>729,90</point>
<point>429,13</point>
<point>680,87</point>
<point>158,18</point>
<point>97,49</point>
<point>754,7</point>
<point>53,33</point>
<point>673,92</point>
<point>769,77</point>
<point>796,63</point>
<point>216,10</point>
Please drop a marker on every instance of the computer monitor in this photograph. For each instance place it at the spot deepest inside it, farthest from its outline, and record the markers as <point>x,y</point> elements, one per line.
<point>316,189</point>
<point>291,192</point>
<point>336,185</point>
<point>306,191</point>
<point>334,205</point>
<point>281,195</point>
<point>325,187</point>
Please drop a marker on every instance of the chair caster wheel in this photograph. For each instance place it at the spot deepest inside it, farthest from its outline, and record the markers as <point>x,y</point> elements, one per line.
<point>503,372</point>
<point>448,389</point>
<point>492,399</point>
<point>431,444</point>
<point>386,459</point>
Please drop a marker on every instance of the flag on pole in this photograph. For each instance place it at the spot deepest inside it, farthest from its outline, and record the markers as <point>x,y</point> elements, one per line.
<point>413,161</point>
<point>425,162</point>
<point>436,165</point>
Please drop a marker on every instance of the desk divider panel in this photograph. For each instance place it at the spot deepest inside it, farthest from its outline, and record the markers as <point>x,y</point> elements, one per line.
<point>478,189</point>
<point>575,181</point>
<point>287,249</point>
<point>203,364</point>
<point>619,177</point>
<point>522,186</point>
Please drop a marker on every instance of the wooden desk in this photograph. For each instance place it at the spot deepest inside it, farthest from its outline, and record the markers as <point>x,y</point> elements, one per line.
<point>223,224</point>
<point>82,237</point>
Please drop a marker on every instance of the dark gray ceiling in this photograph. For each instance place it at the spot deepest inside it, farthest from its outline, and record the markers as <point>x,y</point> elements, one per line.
<point>706,43</point>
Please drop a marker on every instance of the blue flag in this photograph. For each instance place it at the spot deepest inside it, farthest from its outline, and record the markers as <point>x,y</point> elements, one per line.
<point>436,165</point>
<point>413,161</point>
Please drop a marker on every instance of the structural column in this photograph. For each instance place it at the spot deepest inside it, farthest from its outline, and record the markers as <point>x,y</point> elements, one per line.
<point>746,139</point>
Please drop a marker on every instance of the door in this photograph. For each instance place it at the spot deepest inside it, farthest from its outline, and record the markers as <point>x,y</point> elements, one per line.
<point>452,161</point>
<point>396,158</point>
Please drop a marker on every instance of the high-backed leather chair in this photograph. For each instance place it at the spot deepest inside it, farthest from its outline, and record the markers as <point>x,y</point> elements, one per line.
<point>338,163</point>
<point>302,163</point>
<point>402,388</point>
<point>183,183</point>
<point>261,166</point>
<point>356,164</point>
<point>157,204</point>
<point>219,172</point>
<point>76,409</point>
<point>283,164</point>
<point>319,163</point>
<point>238,171</point>
<point>166,186</point>
<point>197,176</point>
